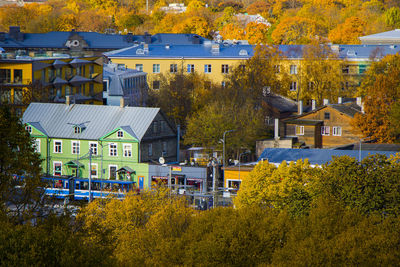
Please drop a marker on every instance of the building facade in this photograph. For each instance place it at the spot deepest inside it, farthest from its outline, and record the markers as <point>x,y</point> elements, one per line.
<point>105,142</point>
<point>51,80</point>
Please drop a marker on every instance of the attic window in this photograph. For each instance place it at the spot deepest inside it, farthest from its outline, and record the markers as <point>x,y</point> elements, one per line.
<point>139,51</point>
<point>243,52</point>
<point>77,129</point>
<point>351,53</point>
<point>120,134</point>
<point>28,129</point>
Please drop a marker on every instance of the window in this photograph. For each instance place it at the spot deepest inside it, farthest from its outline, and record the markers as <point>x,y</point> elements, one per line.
<point>223,84</point>
<point>311,86</point>
<point>293,69</point>
<point>225,68</point>
<point>5,76</point>
<point>299,130</point>
<point>77,129</point>
<point>139,67</point>
<point>57,168</point>
<point>164,148</point>
<point>91,69</point>
<point>75,147</point>
<point>337,131</point>
<point>242,67</point>
<point>91,89</point>
<point>190,68</point>
<point>58,73</point>
<point>345,85</point>
<point>207,68</point>
<point>17,76</point>
<point>156,68</point>
<point>112,171</point>
<point>156,85</point>
<point>173,68</point>
<point>234,184</point>
<point>277,68</point>
<point>327,115</point>
<point>155,127</point>
<point>163,126</point>
<point>325,130</point>
<point>28,129</point>
<point>120,134</point>
<point>362,69</point>
<point>57,146</point>
<point>18,94</point>
<point>293,86</point>
<point>150,150</point>
<point>346,69</point>
<point>93,170</point>
<point>36,145</point>
<point>93,147</point>
<point>127,150</point>
<point>112,150</point>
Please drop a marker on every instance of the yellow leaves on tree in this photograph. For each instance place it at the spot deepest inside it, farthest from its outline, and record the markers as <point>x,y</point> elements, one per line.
<point>381,88</point>
<point>256,33</point>
<point>296,30</point>
<point>232,32</point>
<point>348,32</point>
<point>196,25</point>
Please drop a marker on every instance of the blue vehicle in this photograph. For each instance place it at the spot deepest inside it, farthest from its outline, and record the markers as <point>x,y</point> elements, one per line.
<point>61,187</point>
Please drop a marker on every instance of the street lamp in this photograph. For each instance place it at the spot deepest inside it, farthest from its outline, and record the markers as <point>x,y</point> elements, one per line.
<point>223,143</point>
<point>359,149</point>
<point>240,156</point>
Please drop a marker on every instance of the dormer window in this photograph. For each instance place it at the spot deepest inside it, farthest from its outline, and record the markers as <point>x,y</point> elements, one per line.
<point>28,129</point>
<point>77,129</point>
<point>120,134</point>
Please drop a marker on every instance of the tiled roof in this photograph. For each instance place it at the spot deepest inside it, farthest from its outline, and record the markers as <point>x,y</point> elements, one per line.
<point>314,156</point>
<point>57,120</point>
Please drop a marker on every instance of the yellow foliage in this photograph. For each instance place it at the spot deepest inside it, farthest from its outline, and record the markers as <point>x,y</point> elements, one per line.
<point>232,32</point>
<point>256,33</point>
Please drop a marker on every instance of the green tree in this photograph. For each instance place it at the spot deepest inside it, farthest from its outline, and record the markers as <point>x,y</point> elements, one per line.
<point>392,17</point>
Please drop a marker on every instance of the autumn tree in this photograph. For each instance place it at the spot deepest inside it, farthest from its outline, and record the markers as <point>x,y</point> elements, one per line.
<point>380,90</point>
<point>348,32</point>
<point>232,32</point>
<point>256,33</point>
<point>392,17</point>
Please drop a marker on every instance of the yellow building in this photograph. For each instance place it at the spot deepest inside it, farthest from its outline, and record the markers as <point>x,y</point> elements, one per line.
<point>215,61</point>
<point>233,176</point>
<point>50,80</point>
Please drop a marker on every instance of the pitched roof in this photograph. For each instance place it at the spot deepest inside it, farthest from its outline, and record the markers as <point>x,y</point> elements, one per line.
<point>314,156</point>
<point>283,104</point>
<point>57,120</point>
<point>389,35</point>
<point>349,109</point>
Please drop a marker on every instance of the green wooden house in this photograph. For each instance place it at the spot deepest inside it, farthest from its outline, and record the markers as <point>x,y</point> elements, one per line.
<point>118,141</point>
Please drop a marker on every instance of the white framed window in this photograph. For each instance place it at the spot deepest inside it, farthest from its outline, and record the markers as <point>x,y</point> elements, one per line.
<point>75,145</point>
<point>28,129</point>
<point>112,171</point>
<point>77,129</point>
<point>337,131</point>
<point>225,68</point>
<point>127,150</point>
<point>293,86</point>
<point>93,170</point>
<point>36,145</point>
<point>57,168</point>
<point>293,69</point>
<point>120,134</point>
<point>173,68</point>
<point>325,130</point>
<point>57,145</point>
<point>93,147</point>
<point>112,150</point>
<point>223,84</point>
<point>299,130</point>
<point>150,150</point>
<point>277,68</point>
<point>233,184</point>
<point>207,68</point>
<point>156,68</point>
<point>139,67</point>
<point>190,68</point>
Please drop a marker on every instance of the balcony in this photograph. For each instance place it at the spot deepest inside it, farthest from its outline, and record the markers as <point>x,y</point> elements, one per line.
<point>15,82</point>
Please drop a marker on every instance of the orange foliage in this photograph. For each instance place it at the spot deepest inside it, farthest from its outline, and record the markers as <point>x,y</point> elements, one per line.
<point>258,7</point>
<point>256,33</point>
<point>295,30</point>
<point>232,32</point>
<point>348,32</point>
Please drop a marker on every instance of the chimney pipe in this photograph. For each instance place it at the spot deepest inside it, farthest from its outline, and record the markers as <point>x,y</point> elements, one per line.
<point>326,101</point>
<point>276,129</point>
<point>300,107</point>
<point>67,100</point>
<point>340,100</point>
<point>121,102</point>
<point>359,101</point>
<point>313,104</point>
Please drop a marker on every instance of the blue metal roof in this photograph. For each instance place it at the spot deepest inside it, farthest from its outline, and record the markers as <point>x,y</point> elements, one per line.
<point>94,40</point>
<point>186,51</point>
<point>314,156</point>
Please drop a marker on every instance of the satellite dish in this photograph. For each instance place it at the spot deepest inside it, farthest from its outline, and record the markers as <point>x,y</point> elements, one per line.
<point>161,160</point>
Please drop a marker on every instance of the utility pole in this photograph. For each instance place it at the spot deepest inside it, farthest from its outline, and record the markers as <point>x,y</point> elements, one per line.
<point>214,182</point>
<point>90,174</point>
